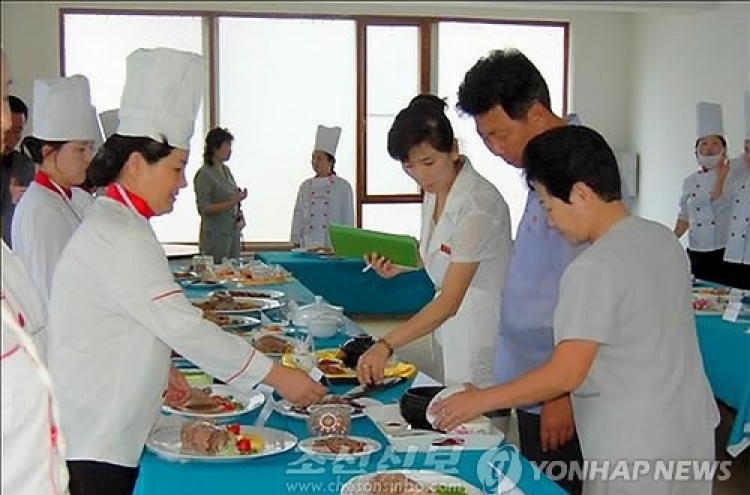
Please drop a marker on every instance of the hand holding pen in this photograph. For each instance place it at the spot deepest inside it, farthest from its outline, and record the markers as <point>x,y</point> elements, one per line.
<point>381,265</point>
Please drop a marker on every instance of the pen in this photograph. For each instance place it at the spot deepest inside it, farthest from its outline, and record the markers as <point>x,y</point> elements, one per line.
<point>367,268</point>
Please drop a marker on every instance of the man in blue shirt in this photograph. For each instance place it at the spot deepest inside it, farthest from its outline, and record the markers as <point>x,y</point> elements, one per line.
<point>509,101</point>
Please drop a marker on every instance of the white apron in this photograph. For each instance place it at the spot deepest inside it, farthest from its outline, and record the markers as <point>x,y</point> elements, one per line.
<point>33,448</point>
<point>466,342</point>
<point>738,237</point>
<point>320,202</point>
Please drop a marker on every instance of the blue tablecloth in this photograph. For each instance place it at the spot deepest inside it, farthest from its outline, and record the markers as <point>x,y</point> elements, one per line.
<point>341,282</point>
<point>294,472</point>
<point>725,348</point>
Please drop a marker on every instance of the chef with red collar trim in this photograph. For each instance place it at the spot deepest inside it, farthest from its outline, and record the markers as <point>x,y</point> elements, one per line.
<point>65,128</point>
<point>116,311</point>
<point>33,450</point>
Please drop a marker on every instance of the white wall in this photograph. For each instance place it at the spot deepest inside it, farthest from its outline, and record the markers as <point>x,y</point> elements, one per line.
<point>633,76</point>
<point>677,61</point>
<point>599,44</point>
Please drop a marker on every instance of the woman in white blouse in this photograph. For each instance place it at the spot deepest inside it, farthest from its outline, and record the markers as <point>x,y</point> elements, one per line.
<point>465,246</point>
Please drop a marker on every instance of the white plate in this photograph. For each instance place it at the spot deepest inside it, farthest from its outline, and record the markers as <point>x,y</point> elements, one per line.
<point>201,284</point>
<point>716,304</point>
<point>429,479</point>
<point>250,401</point>
<point>260,293</point>
<point>165,442</point>
<point>257,335</point>
<point>285,407</point>
<point>442,395</point>
<point>371,446</point>
<point>262,305</point>
<point>238,322</point>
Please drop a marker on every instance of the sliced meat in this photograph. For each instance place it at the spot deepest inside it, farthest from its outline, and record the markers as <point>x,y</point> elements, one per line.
<point>202,437</point>
<point>393,484</point>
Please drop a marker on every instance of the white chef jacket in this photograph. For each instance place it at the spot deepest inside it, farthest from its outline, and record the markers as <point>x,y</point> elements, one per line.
<point>709,220</point>
<point>320,202</point>
<point>115,314</point>
<point>474,227</point>
<point>81,199</point>
<point>33,448</point>
<point>43,223</point>
<point>737,188</point>
<point>630,292</point>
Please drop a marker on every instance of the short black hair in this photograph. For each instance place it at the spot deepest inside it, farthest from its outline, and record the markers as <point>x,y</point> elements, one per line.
<point>504,78</point>
<point>215,138</point>
<point>18,106</point>
<point>423,121</point>
<point>560,157</point>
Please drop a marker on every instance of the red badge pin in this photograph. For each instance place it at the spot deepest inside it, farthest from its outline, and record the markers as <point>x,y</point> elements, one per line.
<point>445,248</point>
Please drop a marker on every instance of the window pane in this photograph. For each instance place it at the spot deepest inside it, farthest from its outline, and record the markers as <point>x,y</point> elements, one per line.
<point>392,81</point>
<point>460,45</point>
<point>279,79</point>
<point>397,218</point>
<point>97,45</point>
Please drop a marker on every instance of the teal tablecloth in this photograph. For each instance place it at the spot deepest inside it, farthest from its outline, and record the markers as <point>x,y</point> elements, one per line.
<point>294,472</point>
<point>341,282</point>
<point>725,348</point>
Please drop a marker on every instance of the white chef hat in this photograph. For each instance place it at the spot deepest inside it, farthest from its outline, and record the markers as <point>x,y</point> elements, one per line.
<point>327,139</point>
<point>110,121</point>
<point>709,120</point>
<point>62,110</point>
<point>747,114</point>
<point>162,95</point>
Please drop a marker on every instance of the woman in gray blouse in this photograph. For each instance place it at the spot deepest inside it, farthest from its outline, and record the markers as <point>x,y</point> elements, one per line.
<point>218,199</point>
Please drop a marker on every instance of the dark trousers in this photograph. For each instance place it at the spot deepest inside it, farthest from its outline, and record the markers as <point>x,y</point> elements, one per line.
<point>531,448</point>
<point>711,267</point>
<point>101,478</point>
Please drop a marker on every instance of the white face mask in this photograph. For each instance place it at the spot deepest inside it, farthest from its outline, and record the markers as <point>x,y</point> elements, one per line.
<point>708,162</point>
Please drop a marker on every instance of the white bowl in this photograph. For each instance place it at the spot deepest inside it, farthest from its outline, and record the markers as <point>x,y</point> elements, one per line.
<point>324,326</point>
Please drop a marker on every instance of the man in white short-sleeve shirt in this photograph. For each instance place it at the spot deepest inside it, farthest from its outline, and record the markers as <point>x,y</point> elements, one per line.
<point>625,341</point>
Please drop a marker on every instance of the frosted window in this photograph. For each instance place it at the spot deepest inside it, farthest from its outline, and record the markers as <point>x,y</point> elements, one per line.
<point>397,218</point>
<point>97,45</point>
<point>279,79</point>
<point>392,81</point>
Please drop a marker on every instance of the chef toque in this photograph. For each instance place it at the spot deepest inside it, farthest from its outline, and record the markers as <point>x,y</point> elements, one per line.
<point>747,114</point>
<point>62,110</point>
<point>709,120</point>
<point>110,120</point>
<point>327,139</point>
<point>162,95</point>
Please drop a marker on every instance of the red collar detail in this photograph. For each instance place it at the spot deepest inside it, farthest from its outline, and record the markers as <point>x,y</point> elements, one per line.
<point>43,180</point>
<point>139,203</point>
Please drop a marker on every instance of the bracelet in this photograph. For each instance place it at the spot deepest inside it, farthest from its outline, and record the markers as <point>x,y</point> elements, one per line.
<point>387,346</point>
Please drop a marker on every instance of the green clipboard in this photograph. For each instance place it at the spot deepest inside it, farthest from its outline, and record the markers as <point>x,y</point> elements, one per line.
<point>350,242</point>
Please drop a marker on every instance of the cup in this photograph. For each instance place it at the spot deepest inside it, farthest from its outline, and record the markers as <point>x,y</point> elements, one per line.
<point>304,353</point>
<point>203,265</point>
<point>329,419</point>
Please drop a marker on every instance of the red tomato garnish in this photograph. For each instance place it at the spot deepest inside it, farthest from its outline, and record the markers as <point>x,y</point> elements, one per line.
<point>234,428</point>
<point>244,445</point>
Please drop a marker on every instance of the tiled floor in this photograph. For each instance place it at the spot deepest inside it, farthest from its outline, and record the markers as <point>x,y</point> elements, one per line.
<point>738,483</point>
